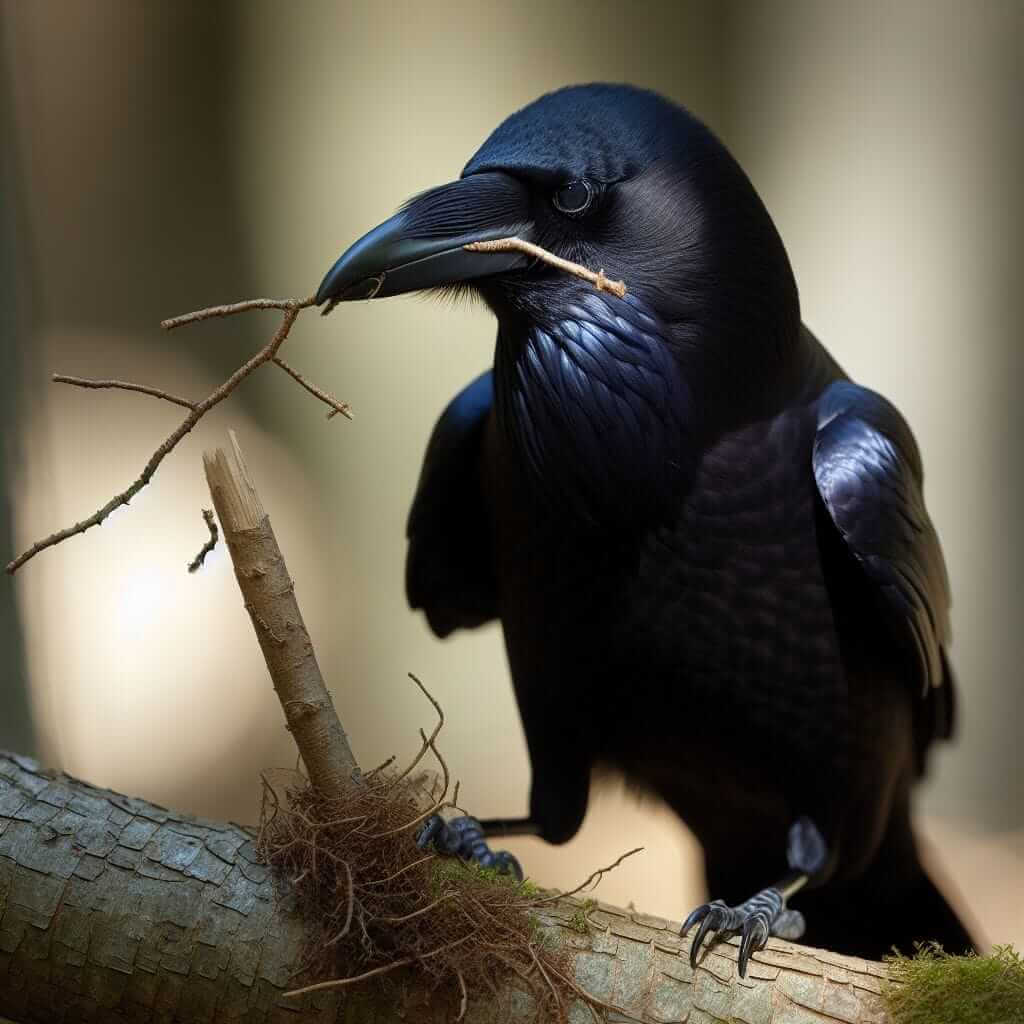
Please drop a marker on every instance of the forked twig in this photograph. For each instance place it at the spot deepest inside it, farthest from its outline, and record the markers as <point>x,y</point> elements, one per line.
<point>514,244</point>
<point>291,309</point>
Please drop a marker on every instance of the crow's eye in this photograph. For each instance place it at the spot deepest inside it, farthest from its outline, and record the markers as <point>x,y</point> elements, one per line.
<point>574,197</point>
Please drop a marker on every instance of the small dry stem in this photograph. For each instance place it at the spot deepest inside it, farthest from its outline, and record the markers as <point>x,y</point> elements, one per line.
<point>211,543</point>
<point>514,244</point>
<point>328,399</point>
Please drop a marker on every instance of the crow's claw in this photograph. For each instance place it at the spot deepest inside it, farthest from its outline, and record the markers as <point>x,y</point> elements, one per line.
<point>433,834</point>
<point>463,837</point>
<point>755,937</point>
<point>763,915</point>
<point>714,919</point>
<point>695,916</point>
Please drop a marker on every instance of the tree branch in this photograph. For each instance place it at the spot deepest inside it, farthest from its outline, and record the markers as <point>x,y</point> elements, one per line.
<point>112,908</point>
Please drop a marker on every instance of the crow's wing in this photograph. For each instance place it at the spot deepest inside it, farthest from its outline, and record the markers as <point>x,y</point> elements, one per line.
<point>868,472</point>
<point>449,567</point>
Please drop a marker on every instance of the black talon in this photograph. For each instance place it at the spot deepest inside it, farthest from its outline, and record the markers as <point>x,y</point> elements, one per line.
<point>696,915</point>
<point>430,832</point>
<point>755,937</point>
<point>712,921</point>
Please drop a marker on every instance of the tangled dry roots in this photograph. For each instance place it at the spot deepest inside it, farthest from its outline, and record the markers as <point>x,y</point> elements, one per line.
<point>375,902</point>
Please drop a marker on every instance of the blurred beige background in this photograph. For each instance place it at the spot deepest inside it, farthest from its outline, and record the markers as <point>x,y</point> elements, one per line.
<point>168,156</point>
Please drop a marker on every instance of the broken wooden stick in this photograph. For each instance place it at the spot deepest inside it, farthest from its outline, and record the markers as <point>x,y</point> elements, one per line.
<point>269,595</point>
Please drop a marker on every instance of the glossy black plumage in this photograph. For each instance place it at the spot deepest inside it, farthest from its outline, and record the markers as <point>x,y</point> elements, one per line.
<point>448,572</point>
<point>708,550</point>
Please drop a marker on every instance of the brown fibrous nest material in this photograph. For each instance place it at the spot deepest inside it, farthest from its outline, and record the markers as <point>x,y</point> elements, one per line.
<point>376,903</point>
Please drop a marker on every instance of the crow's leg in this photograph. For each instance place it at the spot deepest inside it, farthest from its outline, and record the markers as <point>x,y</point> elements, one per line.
<point>765,913</point>
<point>464,837</point>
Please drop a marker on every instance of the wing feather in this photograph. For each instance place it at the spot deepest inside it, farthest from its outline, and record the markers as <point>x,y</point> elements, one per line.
<point>449,567</point>
<point>868,472</point>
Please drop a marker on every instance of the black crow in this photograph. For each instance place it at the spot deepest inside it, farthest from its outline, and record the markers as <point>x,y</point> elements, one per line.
<point>707,547</point>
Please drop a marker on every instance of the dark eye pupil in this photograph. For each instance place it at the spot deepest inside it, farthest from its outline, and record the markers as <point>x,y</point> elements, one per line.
<point>573,197</point>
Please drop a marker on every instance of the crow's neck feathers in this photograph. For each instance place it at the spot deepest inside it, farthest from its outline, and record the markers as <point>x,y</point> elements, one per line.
<point>597,406</point>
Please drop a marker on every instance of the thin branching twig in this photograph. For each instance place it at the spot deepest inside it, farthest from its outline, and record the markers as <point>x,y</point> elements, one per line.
<point>291,309</point>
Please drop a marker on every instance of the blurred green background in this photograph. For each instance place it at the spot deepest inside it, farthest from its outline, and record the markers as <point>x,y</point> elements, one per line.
<point>158,157</point>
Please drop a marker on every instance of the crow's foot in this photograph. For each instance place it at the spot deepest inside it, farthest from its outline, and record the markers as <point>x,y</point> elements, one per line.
<point>766,913</point>
<point>762,915</point>
<point>463,837</point>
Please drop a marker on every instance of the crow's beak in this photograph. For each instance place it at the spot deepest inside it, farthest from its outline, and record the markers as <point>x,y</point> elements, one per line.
<point>422,246</point>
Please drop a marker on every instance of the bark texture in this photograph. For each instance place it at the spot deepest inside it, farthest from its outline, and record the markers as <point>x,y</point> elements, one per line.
<point>114,909</point>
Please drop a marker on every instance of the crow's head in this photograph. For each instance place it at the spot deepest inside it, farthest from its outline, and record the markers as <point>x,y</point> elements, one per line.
<point>609,176</point>
<point>618,179</point>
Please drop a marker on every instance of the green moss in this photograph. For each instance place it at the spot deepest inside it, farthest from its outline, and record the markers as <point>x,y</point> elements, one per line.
<point>580,922</point>
<point>451,870</point>
<point>934,987</point>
